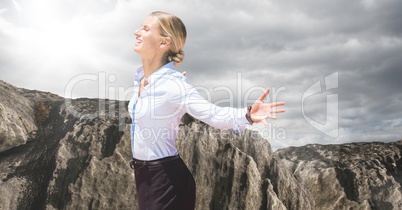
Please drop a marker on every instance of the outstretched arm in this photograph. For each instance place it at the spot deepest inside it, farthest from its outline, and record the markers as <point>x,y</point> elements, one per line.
<point>261,111</point>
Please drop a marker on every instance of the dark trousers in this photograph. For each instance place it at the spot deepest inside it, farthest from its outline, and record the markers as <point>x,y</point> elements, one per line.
<point>164,186</point>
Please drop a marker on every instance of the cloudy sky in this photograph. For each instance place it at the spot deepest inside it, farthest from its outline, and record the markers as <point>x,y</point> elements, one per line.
<point>337,64</point>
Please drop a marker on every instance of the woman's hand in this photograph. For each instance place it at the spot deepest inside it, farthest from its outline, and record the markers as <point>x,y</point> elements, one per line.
<point>261,111</point>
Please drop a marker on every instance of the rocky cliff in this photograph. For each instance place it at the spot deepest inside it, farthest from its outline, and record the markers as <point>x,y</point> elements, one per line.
<point>57,153</point>
<point>349,176</point>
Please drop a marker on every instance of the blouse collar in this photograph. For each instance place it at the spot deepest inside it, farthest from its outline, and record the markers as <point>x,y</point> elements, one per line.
<point>154,76</point>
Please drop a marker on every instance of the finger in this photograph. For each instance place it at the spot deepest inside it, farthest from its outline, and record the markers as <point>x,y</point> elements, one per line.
<point>264,95</point>
<point>184,73</point>
<point>278,111</point>
<point>265,122</point>
<point>277,104</point>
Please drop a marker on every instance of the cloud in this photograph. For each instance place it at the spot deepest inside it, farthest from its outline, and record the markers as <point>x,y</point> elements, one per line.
<point>241,46</point>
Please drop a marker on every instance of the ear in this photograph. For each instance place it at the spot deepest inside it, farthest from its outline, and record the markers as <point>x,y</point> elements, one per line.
<point>165,42</point>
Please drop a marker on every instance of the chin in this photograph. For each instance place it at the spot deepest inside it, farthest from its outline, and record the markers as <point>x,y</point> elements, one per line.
<point>136,50</point>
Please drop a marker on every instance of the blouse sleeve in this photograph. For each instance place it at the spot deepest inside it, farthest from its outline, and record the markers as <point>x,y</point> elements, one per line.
<point>184,96</point>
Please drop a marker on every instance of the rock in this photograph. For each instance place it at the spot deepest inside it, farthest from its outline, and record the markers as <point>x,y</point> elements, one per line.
<point>75,160</point>
<point>237,171</point>
<point>349,176</point>
<point>17,118</point>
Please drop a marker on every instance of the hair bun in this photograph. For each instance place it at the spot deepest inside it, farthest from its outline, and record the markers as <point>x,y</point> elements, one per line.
<point>177,58</point>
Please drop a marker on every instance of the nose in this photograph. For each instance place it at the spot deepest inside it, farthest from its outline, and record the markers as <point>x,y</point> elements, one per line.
<point>137,33</point>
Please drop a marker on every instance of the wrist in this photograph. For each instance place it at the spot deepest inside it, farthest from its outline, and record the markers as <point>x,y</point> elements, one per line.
<point>248,115</point>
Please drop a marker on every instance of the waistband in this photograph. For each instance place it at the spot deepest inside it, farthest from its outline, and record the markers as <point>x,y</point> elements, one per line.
<point>152,162</point>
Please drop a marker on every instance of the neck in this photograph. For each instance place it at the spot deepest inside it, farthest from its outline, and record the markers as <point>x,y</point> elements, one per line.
<point>151,65</point>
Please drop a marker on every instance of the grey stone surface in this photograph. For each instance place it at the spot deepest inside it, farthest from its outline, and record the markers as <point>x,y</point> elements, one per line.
<point>349,176</point>
<point>17,118</point>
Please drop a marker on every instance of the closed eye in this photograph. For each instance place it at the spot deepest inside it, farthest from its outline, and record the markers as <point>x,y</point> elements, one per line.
<point>145,28</point>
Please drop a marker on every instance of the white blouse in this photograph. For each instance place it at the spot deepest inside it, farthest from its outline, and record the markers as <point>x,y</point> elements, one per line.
<point>159,108</point>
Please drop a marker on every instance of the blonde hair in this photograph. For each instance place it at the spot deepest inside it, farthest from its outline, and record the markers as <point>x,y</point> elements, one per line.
<point>171,26</point>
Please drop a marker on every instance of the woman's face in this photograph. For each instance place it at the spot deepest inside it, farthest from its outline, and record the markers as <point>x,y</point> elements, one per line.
<point>148,38</point>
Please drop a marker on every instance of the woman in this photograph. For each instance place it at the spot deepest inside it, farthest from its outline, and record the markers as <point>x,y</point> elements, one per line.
<point>161,97</point>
